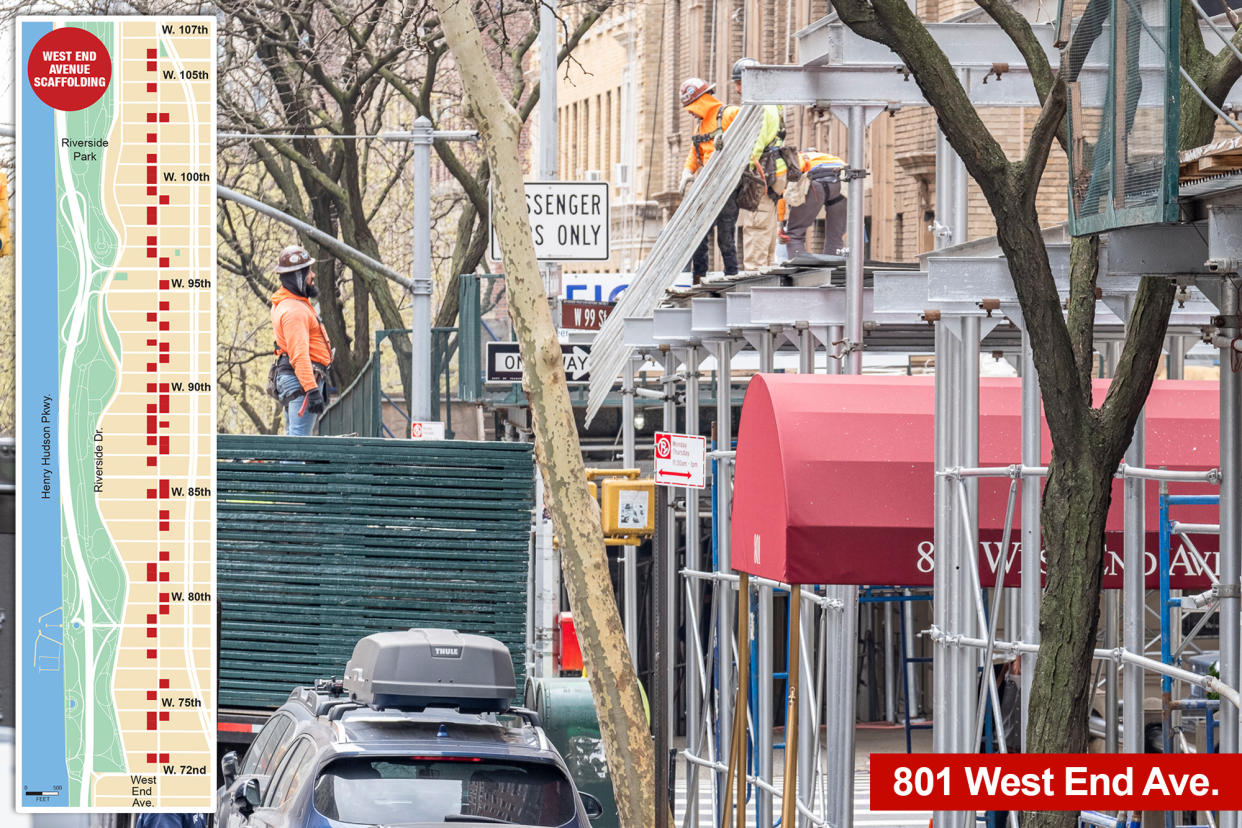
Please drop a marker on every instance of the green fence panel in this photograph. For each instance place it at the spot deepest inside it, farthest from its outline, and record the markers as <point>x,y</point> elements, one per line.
<point>324,540</point>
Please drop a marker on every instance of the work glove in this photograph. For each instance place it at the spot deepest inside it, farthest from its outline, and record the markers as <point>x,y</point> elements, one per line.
<point>686,178</point>
<point>314,401</point>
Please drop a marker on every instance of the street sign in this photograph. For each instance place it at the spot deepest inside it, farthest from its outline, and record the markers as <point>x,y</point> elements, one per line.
<point>426,430</point>
<point>584,316</point>
<point>680,460</point>
<point>604,287</point>
<point>569,221</point>
<point>504,363</point>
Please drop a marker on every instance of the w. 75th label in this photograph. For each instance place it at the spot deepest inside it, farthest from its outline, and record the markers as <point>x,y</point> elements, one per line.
<point>1055,782</point>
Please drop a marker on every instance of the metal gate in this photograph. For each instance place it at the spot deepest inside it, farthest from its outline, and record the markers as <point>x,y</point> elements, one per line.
<point>323,540</point>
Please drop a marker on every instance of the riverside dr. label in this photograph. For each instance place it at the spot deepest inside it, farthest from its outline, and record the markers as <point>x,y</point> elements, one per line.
<point>116,459</point>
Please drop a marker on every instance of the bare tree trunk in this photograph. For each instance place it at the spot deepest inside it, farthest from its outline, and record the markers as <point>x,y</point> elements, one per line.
<point>623,723</point>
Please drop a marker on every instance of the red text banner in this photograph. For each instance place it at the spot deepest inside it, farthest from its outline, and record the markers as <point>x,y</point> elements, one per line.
<point>1055,782</point>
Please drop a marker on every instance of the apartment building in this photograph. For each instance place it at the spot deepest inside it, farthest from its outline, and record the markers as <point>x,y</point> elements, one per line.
<point>619,118</point>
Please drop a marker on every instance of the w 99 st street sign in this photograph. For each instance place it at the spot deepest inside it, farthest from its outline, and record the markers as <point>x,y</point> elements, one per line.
<point>568,221</point>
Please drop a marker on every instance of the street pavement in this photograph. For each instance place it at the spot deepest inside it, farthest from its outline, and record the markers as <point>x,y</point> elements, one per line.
<point>868,739</point>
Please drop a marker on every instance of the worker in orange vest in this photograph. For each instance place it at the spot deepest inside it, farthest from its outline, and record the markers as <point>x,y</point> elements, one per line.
<point>302,347</point>
<point>714,119</point>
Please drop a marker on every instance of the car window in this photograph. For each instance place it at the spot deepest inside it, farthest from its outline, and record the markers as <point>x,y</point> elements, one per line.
<point>403,789</point>
<point>259,758</point>
<point>293,768</point>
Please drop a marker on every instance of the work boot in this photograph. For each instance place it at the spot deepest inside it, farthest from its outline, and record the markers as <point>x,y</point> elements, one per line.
<point>698,277</point>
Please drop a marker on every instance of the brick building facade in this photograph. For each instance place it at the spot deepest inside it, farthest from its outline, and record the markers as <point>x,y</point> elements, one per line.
<point>620,119</point>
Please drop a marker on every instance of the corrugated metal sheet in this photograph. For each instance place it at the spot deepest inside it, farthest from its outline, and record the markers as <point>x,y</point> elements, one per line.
<point>369,535</point>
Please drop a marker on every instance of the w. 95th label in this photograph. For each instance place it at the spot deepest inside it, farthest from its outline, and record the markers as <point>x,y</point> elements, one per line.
<point>1055,782</point>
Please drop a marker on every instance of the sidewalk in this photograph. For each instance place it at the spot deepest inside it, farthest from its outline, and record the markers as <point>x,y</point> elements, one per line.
<point>869,738</point>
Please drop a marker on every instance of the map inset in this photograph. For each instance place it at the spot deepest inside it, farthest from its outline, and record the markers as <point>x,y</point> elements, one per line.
<point>116,408</point>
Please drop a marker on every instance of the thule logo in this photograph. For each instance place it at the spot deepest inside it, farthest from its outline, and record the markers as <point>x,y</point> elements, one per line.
<point>446,652</point>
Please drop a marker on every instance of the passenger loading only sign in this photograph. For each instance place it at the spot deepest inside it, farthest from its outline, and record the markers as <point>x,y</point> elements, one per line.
<point>568,221</point>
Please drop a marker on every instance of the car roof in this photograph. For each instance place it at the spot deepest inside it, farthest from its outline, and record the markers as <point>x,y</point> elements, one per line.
<point>353,729</point>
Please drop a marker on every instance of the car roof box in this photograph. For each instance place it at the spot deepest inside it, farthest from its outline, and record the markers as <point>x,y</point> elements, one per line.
<point>419,668</point>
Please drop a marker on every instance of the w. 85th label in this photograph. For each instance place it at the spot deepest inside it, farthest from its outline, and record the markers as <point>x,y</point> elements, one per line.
<point>1055,782</point>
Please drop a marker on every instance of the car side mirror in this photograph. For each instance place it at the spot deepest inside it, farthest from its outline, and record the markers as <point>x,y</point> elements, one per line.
<point>228,767</point>
<point>594,808</point>
<point>251,795</point>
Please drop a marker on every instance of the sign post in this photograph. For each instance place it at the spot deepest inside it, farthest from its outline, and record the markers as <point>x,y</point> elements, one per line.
<point>680,460</point>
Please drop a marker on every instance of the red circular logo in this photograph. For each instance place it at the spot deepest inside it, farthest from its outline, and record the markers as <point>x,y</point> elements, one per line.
<point>69,69</point>
<point>663,448</point>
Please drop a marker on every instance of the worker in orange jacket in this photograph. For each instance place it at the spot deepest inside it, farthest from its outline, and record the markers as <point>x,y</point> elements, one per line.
<point>302,346</point>
<point>714,119</point>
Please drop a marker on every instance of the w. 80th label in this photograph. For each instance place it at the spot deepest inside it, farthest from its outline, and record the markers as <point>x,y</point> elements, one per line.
<point>1055,782</point>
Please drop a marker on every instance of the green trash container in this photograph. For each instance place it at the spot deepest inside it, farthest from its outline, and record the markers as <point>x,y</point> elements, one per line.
<point>567,712</point>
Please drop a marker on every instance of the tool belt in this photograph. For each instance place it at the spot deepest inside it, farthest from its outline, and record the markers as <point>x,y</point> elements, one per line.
<point>283,366</point>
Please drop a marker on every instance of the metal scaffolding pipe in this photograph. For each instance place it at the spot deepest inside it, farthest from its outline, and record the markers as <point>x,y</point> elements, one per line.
<point>724,506</point>
<point>1209,683</point>
<point>794,680</point>
<point>766,635</point>
<point>1134,592</point>
<point>764,720</point>
<point>854,235</point>
<point>832,364</point>
<point>1230,521</point>
<point>968,455</point>
<point>694,693</point>
<point>671,598</point>
<point>630,555</point>
<point>912,687</point>
<point>808,749</point>
<point>756,580</point>
<point>942,605</point>
<point>807,704</point>
<point>806,351</point>
<point>1175,364</point>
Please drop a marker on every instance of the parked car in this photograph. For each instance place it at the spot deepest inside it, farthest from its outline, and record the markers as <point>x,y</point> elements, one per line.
<point>420,732</point>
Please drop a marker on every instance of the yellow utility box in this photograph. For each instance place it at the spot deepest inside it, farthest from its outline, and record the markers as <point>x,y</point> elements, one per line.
<point>628,507</point>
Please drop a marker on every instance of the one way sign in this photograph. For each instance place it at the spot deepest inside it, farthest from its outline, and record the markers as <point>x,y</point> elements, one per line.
<point>504,363</point>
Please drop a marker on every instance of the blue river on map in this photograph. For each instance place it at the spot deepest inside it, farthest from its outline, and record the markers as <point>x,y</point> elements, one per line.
<point>43,692</point>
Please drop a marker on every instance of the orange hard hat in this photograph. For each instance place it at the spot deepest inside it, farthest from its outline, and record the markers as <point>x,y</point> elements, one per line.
<point>693,89</point>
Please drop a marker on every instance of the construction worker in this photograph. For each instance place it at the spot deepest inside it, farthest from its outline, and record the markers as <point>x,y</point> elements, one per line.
<point>302,346</point>
<point>827,169</point>
<point>822,174</point>
<point>714,119</point>
<point>760,226</point>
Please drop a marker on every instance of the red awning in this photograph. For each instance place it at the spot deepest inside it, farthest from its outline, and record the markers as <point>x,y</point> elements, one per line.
<point>834,476</point>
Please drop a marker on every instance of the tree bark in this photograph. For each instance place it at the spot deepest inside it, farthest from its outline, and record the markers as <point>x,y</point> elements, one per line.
<point>614,684</point>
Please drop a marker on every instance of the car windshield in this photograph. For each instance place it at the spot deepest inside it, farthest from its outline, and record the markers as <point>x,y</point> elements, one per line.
<point>388,790</point>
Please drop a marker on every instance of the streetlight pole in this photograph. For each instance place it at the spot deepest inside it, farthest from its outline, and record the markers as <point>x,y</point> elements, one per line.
<point>420,293</point>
